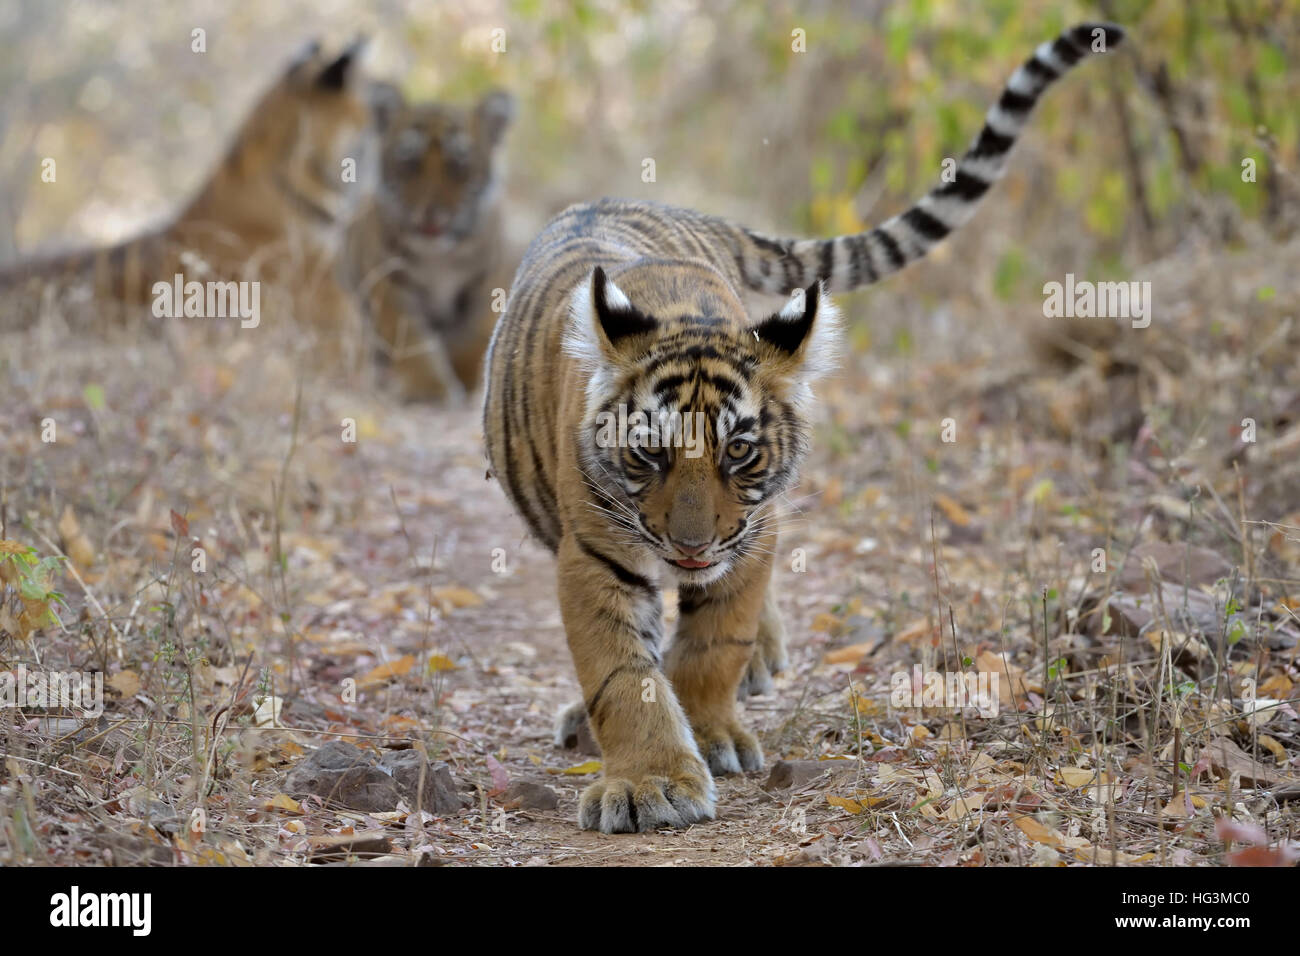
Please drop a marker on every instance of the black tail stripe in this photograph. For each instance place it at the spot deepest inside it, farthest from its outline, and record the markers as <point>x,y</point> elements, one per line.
<point>966,186</point>
<point>1041,70</point>
<point>827,264</point>
<point>925,224</point>
<point>1066,51</point>
<point>1016,103</point>
<point>895,254</point>
<point>990,143</point>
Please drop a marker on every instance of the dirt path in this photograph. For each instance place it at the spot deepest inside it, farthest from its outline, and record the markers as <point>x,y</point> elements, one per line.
<point>517,673</point>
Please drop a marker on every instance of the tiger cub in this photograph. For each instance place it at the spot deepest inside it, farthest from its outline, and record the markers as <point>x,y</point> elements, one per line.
<point>274,209</point>
<point>421,253</point>
<point>644,425</point>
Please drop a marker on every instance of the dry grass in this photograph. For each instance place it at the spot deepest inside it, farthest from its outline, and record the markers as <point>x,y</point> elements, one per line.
<point>390,562</point>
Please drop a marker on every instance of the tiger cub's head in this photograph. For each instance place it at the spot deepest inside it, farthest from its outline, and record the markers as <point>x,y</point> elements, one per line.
<point>696,415</point>
<point>287,163</point>
<point>441,165</point>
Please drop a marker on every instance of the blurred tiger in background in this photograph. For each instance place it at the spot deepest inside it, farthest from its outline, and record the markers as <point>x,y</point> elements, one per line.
<point>275,210</point>
<point>422,255</point>
<point>647,407</point>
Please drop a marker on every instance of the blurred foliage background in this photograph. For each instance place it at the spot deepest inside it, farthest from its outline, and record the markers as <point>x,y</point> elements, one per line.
<point>1126,161</point>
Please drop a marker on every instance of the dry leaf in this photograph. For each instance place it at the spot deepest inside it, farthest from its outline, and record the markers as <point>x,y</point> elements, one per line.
<point>825,622</point>
<point>439,662</point>
<point>1184,806</point>
<point>1104,857</point>
<point>847,655</point>
<point>267,712</point>
<point>126,683</point>
<point>454,597</point>
<point>915,631</point>
<point>1275,748</point>
<point>845,803</point>
<point>282,801</point>
<point>386,672</point>
<point>1038,832</point>
<point>1075,777</point>
<point>588,766</point>
<point>1011,679</point>
<point>952,510</point>
<point>75,544</point>
<point>1227,758</point>
<point>962,808</point>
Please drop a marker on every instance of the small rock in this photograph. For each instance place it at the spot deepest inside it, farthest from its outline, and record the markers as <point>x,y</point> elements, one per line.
<point>92,735</point>
<point>440,796</point>
<point>344,776</point>
<point>1177,563</point>
<point>1190,612</point>
<point>531,795</point>
<point>142,803</point>
<point>139,846</point>
<point>331,846</point>
<point>798,773</point>
<point>1227,758</point>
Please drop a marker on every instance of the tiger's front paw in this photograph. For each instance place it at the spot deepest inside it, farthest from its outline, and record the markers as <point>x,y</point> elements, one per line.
<point>631,804</point>
<point>729,748</point>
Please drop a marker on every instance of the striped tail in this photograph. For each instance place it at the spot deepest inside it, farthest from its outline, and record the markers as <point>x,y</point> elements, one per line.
<point>852,262</point>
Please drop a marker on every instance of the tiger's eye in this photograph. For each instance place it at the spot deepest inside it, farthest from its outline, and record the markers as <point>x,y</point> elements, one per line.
<point>738,449</point>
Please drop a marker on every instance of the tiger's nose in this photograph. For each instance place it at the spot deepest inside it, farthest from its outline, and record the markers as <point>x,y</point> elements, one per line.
<point>689,547</point>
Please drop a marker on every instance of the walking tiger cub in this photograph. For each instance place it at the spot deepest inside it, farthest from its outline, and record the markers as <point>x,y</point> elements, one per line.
<point>422,251</point>
<point>632,312</point>
<point>273,210</point>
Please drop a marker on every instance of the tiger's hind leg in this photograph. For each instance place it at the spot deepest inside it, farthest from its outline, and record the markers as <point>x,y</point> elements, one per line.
<point>769,657</point>
<point>573,730</point>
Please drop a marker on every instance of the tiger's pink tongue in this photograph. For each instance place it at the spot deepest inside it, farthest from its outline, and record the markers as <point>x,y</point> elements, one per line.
<point>693,565</point>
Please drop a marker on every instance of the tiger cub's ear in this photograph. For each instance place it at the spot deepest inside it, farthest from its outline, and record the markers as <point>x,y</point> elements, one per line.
<point>307,54</point>
<point>339,73</point>
<point>386,102</point>
<point>605,328</point>
<point>801,341</point>
<point>493,114</point>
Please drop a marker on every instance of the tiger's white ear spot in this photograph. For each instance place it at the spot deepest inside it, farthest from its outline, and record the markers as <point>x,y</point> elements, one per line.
<point>804,336</point>
<point>605,329</point>
<point>615,298</point>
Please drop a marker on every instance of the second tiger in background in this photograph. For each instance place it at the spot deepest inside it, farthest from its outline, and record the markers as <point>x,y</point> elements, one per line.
<point>422,254</point>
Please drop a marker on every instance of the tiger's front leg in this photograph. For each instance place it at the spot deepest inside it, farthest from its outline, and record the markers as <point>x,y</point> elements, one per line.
<point>654,775</point>
<point>417,358</point>
<point>717,632</point>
